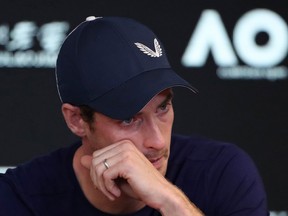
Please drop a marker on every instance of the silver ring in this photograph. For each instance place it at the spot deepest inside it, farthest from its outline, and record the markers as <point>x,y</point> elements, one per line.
<point>106,164</point>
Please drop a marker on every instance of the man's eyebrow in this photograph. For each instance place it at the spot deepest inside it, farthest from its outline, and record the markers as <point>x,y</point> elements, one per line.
<point>168,98</point>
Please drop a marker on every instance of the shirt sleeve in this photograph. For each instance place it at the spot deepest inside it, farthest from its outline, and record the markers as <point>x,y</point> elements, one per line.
<point>11,203</point>
<point>236,188</point>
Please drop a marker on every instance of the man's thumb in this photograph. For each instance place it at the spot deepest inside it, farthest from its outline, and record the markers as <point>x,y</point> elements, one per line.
<point>86,161</point>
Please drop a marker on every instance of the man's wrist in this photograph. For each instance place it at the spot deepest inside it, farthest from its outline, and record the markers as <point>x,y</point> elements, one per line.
<point>177,203</point>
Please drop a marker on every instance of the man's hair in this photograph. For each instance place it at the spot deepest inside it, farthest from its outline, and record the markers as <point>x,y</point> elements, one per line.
<point>87,114</point>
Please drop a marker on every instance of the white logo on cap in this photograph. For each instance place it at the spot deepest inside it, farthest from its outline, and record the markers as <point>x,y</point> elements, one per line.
<point>148,51</point>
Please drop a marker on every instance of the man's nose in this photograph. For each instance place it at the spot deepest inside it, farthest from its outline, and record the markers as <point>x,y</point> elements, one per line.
<point>154,135</point>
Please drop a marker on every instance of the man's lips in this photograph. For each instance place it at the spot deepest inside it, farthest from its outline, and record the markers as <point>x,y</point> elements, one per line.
<point>157,159</point>
<point>157,162</point>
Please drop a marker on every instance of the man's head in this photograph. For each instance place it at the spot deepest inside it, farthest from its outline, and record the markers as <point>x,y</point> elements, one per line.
<point>114,66</point>
<point>115,83</point>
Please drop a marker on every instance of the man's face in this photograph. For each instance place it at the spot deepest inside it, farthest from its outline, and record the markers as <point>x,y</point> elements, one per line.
<point>149,130</point>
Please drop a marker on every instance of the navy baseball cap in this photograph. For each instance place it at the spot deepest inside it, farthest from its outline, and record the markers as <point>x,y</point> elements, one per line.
<point>114,65</point>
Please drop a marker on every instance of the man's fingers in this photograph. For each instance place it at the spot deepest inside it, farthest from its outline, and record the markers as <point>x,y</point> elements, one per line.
<point>107,168</point>
<point>112,187</point>
<point>96,173</point>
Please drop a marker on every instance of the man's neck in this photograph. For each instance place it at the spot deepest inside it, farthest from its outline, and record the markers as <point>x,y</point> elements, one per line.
<point>122,205</point>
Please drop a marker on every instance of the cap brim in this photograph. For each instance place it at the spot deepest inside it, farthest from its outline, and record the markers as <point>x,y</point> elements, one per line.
<point>128,99</point>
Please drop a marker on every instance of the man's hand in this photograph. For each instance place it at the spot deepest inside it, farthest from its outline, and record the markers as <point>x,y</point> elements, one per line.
<point>131,173</point>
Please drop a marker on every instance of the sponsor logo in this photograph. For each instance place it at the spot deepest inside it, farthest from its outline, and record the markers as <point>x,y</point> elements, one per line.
<point>26,45</point>
<point>241,57</point>
<point>146,50</point>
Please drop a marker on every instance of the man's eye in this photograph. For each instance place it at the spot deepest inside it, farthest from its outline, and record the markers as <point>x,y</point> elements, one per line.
<point>163,106</point>
<point>128,121</point>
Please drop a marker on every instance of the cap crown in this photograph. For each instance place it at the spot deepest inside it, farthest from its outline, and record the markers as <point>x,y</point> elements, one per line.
<point>102,54</point>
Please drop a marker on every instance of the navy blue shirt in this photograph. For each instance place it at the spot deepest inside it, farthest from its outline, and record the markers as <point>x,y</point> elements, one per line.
<point>219,178</point>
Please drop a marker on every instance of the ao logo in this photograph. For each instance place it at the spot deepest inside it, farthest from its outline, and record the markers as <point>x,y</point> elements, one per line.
<point>210,35</point>
<point>279,213</point>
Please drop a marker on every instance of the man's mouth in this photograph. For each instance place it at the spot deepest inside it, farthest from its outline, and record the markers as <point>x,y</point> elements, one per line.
<point>157,162</point>
<point>157,159</point>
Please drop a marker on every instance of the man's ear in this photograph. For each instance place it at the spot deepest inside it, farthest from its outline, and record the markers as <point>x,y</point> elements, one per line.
<point>73,118</point>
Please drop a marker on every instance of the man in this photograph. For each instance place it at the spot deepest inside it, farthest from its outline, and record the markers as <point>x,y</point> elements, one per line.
<point>116,84</point>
